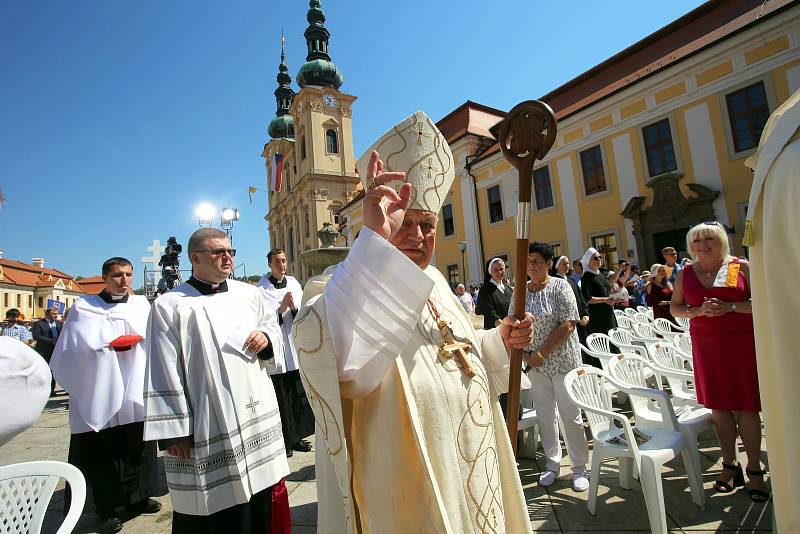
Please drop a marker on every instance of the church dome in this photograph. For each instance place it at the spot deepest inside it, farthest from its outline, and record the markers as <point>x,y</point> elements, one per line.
<point>281,126</point>
<point>320,72</point>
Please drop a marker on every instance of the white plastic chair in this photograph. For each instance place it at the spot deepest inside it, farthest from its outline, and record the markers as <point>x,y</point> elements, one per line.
<point>619,313</point>
<point>585,387</point>
<point>630,312</point>
<point>632,371</point>
<point>670,364</point>
<point>528,420</point>
<point>666,328</point>
<point>683,342</point>
<point>684,322</point>
<point>599,346</point>
<point>624,341</point>
<point>641,318</point>
<point>642,309</point>
<point>625,322</point>
<point>25,492</point>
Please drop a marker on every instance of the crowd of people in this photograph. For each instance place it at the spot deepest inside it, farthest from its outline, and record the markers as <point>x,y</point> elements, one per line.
<point>379,357</point>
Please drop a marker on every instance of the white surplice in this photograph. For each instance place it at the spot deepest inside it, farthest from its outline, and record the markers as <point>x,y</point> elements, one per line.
<point>406,442</point>
<point>286,361</point>
<point>24,387</point>
<point>104,386</point>
<point>201,383</point>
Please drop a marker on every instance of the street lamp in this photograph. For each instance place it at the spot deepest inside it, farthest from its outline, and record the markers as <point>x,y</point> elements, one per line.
<point>205,213</point>
<point>462,246</point>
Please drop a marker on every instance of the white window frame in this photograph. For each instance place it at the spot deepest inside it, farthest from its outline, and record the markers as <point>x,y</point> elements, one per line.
<point>607,231</point>
<point>603,154</point>
<point>675,146</point>
<point>772,102</point>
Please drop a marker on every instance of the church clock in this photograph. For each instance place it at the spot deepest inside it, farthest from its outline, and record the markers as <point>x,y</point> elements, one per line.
<point>329,100</point>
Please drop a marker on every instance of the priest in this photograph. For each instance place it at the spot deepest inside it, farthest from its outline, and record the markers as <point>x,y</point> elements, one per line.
<point>771,233</point>
<point>282,293</point>
<point>208,398</point>
<point>99,360</point>
<point>410,436</point>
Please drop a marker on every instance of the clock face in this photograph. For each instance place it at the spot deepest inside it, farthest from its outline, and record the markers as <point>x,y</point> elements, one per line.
<point>329,100</point>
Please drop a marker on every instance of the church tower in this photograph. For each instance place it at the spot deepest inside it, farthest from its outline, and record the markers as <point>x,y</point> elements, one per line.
<point>312,144</point>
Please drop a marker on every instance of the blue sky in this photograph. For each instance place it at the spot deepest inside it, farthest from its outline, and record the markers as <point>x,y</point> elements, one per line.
<point>119,117</point>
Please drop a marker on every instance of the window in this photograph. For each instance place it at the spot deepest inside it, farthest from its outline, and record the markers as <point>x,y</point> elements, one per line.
<point>302,147</point>
<point>19,300</point>
<point>606,245</point>
<point>748,112</point>
<point>594,175</point>
<point>5,300</point>
<point>290,243</point>
<point>331,142</point>
<point>452,275</point>
<point>495,204</point>
<point>449,221</point>
<point>306,225</point>
<point>658,148</point>
<point>557,250</point>
<point>542,188</point>
<point>30,301</point>
<point>40,302</point>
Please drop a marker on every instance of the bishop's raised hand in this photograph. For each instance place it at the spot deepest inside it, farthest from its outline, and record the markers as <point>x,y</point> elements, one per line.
<point>384,208</point>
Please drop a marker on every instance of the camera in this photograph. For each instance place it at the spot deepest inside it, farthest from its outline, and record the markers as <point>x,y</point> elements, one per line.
<point>170,265</point>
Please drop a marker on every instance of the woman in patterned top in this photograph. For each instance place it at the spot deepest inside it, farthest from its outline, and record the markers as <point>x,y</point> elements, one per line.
<point>554,353</point>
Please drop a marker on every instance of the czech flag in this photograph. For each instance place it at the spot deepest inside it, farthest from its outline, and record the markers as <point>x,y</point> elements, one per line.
<point>277,173</point>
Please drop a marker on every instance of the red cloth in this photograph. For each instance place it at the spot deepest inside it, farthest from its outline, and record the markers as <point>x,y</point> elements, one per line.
<point>281,515</point>
<point>658,294</point>
<point>724,348</point>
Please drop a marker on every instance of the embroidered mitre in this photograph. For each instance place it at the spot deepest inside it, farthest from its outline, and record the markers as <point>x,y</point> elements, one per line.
<point>417,147</point>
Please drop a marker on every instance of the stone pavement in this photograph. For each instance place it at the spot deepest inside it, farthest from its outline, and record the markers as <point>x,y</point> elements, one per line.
<point>554,509</point>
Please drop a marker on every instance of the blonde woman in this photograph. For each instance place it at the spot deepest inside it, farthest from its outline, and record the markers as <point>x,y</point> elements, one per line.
<point>714,291</point>
<point>659,292</point>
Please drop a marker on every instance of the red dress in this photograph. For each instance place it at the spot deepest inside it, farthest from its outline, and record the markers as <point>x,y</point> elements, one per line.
<point>724,348</point>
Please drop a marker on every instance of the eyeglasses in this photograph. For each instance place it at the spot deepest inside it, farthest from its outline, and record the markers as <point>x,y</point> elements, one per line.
<point>218,251</point>
<point>595,257</point>
<point>709,223</point>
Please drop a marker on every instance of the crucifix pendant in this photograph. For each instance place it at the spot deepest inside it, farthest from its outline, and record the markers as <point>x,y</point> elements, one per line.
<point>452,348</point>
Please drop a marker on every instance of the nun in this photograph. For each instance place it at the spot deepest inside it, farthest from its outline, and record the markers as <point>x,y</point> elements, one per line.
<point>596,289</point>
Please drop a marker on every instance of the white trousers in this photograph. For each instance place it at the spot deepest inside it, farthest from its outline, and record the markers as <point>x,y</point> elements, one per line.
<point>548,394</point>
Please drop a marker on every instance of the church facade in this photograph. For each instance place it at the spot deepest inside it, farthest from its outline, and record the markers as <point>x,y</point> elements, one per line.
<point>311,146</point>
<point>650,142</point>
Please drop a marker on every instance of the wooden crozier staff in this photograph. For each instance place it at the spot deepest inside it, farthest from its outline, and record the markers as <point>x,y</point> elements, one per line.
<point>526,134</point>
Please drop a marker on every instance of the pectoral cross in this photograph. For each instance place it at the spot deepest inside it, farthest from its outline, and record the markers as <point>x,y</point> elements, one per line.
<point>252,405</point>
<point>451,347</point>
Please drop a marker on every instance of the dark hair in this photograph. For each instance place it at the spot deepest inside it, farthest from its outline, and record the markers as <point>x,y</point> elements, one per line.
<point>273,252</point>
<point>12,312</point>
<point>116,260</point>
<point>543,249</point>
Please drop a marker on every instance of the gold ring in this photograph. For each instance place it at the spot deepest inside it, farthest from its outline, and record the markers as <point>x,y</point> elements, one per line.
<point>371,184</point>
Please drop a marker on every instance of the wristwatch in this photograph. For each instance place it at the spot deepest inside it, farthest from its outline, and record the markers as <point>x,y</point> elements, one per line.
<point>733,306</point>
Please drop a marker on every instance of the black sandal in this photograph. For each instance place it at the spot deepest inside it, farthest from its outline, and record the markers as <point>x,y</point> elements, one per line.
<point>738,479</point>
<point>757,495</point>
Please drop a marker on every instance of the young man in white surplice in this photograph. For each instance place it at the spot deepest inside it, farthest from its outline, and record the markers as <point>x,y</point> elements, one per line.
<point>208,399</point>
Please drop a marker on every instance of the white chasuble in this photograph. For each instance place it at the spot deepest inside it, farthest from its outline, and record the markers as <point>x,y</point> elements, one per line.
<point>406,441</point>
<point>287,360</point>
<point>201,383</point>
<point>105,386</point>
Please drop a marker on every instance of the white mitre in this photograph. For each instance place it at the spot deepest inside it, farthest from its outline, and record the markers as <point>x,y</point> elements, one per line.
<point>417,147</point>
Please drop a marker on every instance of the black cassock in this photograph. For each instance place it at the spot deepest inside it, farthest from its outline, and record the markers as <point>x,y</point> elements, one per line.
<point>119,467</point>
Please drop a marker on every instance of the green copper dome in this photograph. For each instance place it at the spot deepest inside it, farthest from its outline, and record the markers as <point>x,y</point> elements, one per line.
<point>281,126</point>
<point>318,69</point>
<point>320,72</point>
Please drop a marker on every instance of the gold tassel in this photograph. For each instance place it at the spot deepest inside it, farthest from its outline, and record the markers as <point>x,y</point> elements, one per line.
<point>747,238</point>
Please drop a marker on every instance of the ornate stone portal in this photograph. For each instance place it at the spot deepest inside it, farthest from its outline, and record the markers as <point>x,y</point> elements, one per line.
<point>671,214</point>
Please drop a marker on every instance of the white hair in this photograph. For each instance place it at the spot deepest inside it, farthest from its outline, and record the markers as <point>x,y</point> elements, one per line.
<point>705,229</point>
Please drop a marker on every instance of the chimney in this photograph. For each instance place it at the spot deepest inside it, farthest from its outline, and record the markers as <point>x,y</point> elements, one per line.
<point>38,262</point>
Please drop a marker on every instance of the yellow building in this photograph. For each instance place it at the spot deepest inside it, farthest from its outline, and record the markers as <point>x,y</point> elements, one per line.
<point>650,142</point>
<point>312,133</point>
<point>28,286</point>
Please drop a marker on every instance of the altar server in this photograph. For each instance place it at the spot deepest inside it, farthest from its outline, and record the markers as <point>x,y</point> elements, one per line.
<point>208,399</point>
<point>99,360</point>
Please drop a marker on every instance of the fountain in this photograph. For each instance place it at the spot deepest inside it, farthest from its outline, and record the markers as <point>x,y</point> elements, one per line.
<point>318,259</point>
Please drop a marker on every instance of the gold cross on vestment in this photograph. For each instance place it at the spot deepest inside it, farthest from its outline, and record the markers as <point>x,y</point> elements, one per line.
<point>420,131</point>
<point>451,347</point>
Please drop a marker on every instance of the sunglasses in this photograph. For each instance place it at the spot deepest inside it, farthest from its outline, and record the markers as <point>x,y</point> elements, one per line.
<point>595,257</point>
<point>218,251</point>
